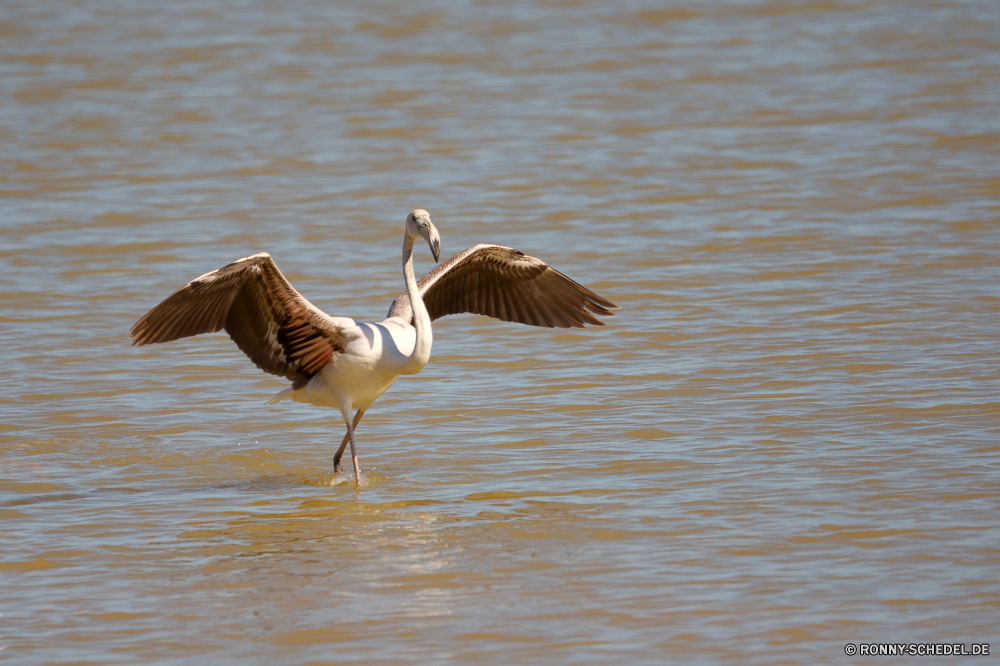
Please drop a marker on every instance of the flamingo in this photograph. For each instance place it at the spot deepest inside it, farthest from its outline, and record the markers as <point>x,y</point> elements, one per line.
<point>345,364</point>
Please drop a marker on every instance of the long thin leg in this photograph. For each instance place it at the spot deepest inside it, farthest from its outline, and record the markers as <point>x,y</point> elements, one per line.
<point>337,468</point>
<point>354,457</point>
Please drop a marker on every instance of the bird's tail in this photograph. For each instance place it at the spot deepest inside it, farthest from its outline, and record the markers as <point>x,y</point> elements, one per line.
<point>280,395</point>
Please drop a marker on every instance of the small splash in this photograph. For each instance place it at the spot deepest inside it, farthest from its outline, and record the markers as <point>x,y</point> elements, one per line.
<point>347,477</point>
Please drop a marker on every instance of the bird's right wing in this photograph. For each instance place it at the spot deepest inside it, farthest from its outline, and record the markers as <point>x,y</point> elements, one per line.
<point>506,284</point>
<point>281,332</point>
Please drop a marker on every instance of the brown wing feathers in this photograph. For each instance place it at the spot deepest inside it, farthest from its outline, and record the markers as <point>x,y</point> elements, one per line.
<point>503,283</point>
<point>280,331</point>
<point>285,335</point>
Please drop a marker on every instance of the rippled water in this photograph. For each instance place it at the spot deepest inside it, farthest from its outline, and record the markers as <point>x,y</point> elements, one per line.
<point>786,441</point>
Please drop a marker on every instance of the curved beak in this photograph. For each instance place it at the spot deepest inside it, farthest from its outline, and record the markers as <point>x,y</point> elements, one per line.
<point>433,239</point>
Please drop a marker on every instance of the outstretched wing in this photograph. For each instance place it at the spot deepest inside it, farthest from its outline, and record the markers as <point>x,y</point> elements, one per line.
<point>281,332</point>
<point>503,283</point>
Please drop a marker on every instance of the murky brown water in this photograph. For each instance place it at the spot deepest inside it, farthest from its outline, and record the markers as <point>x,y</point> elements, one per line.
<point>786,441</point>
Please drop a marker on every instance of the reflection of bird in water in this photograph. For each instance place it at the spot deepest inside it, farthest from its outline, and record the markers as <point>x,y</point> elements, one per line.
<point>342,363</point>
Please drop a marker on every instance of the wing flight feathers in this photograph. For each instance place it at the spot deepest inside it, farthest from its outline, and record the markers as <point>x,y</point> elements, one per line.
<point>505,284</point>
<point>278,329</point>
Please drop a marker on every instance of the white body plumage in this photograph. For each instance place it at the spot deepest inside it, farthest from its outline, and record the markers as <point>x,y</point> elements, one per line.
<point>370,363</point>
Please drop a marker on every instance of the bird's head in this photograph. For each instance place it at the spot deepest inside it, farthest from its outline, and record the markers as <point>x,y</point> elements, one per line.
<point>419,225</point>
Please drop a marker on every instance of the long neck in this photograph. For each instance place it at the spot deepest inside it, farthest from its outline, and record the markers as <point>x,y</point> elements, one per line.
<point>421,320</point>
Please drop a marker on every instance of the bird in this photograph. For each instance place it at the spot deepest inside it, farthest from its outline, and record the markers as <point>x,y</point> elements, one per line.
<point>345,364</point>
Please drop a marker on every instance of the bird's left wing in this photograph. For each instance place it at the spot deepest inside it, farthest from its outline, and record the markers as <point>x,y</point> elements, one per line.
<point>506,284</point>
<point>281,332</point>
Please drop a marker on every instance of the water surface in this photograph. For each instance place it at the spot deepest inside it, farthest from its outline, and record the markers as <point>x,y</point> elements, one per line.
<point>786,441</point>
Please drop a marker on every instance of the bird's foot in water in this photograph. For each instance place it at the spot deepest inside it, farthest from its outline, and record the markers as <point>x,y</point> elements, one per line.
<point>340,476</point>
